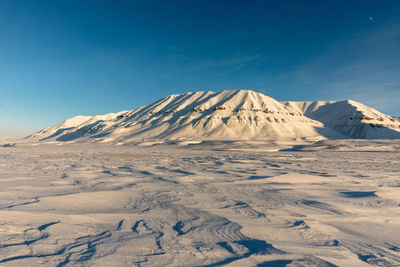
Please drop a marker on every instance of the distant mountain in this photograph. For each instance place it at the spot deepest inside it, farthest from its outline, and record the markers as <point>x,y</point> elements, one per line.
<point>9,138</point>
<point>227,115</point>
<point>74,128</point>
<point>350,118</point>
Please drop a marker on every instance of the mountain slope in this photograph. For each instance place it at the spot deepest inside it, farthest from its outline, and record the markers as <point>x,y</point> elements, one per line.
<point>350,118</point>
<point>57,130</point>
<point>227,115</point>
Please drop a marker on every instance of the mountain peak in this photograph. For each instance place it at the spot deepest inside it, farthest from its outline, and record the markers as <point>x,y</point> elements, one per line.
<point>226,115</point>
<point>351,118</point>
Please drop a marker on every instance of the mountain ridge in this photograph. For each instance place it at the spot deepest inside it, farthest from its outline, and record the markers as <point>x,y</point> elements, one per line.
<point>208,115</point>
<point>350,118</point>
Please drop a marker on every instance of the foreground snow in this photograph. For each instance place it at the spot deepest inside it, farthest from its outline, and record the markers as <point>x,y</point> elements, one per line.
<point>209,204</point>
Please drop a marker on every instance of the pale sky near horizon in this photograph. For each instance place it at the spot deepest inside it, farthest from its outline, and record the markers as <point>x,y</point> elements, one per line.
<point>64,58</point>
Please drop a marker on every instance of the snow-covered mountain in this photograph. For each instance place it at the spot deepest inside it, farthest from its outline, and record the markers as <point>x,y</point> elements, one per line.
<point>350,118</point>
<point>74,128</point>
<point>227,115</point>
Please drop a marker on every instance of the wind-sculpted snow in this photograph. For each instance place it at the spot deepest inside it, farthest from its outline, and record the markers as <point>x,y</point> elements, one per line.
<point>227,115</point>
<point>203,204</point>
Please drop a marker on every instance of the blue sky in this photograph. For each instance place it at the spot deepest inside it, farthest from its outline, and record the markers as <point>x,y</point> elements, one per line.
<point>68,57</point>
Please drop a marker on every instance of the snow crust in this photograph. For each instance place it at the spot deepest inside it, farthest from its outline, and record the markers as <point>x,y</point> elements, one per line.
<point>215,203</point>
<point>206,179</point>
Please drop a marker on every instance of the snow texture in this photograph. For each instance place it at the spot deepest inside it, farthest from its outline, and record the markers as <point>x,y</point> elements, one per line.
<point>206,179</point>
<point>234,203</point>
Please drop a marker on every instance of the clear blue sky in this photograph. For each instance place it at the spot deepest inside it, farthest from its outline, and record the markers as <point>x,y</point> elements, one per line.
<point>68,57</point>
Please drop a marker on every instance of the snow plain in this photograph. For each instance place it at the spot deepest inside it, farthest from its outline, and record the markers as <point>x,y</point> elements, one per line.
<point>247,203</point>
